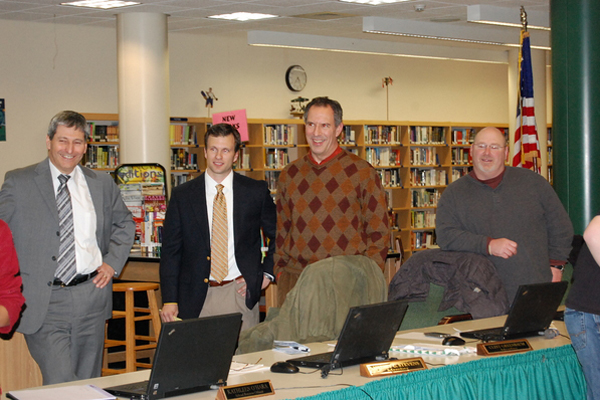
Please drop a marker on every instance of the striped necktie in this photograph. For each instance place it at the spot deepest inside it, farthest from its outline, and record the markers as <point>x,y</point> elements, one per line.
<point>67,267</point>
<point>218,244</point>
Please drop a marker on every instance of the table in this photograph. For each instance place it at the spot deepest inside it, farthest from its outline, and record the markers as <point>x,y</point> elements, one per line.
<point>551,369</point>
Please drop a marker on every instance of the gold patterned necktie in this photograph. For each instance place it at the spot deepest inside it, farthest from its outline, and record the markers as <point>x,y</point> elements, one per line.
<point>218,245</point>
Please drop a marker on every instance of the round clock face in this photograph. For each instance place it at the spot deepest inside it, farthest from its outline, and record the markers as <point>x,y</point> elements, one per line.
<point>295,78</point>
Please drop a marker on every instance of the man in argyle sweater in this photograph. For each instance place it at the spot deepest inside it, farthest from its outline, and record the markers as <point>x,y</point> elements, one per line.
<point>329,202</point>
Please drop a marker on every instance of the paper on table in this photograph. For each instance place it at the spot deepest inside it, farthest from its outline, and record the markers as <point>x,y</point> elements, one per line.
<point>81,392</point>
<point>289,347</point>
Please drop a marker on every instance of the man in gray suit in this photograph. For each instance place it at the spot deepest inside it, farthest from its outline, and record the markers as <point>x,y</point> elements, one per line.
<point>73,234</point>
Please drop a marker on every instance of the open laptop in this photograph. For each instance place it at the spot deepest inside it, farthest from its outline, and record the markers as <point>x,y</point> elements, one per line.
<point>366,336</point>
<point>530,314</point>
<point>191,355</point>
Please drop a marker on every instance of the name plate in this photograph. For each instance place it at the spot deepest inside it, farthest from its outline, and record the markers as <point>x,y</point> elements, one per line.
<point>503,347</point>
<point>392,367</point>
<point>246,390</point>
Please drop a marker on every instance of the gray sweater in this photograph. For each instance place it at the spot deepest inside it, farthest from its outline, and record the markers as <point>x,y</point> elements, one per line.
<point>523,208</point>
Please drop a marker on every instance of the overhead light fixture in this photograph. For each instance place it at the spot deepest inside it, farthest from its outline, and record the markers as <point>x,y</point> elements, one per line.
<point>243,16</point>
<point>503,16</point>
<point>452,32</point>
<point>373,47</point>
<point>373,2</point>
<point>102,4</point>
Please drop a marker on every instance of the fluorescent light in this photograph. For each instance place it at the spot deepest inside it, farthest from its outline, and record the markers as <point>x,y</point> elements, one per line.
<point>243,16</point>
<point>374,47</point>
<point>103,4</point>
<point>373,2</point>
<point>453,32</point>
<point>503,16</point>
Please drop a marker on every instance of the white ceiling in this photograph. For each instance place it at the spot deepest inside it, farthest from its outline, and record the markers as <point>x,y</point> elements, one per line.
<point>190,16</point>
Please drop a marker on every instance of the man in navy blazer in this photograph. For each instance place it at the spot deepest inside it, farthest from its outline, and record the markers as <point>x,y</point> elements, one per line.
<point>188,287</point>
<point>63,322</point>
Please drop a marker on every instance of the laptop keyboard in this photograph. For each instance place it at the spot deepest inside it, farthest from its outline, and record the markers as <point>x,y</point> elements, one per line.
<point>320,357</point>
<point>134,387</point>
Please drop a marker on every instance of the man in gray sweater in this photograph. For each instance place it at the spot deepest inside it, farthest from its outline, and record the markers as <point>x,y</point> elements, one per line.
<point>512,215</point>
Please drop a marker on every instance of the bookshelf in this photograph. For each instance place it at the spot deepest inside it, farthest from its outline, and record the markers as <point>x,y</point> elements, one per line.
<point>415,162</point>
<point>103,147</point>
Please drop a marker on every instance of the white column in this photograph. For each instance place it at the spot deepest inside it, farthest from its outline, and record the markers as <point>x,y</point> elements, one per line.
<point>143,73</point>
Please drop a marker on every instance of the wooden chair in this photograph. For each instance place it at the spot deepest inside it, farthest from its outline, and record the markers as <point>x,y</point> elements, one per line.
<point>133,351</point>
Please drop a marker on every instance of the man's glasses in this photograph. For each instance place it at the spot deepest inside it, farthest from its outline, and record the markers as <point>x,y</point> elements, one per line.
<point>482,146</point>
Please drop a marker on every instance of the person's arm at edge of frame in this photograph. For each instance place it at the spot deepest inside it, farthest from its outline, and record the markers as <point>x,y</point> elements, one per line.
<point>11,298</point>
<point>170,260</point>
<point>378,237</point>
<point>283,225</point>
<point>559,228</point>
<point>591,235</point>
<point>121,239</point>
<point>448,230</point>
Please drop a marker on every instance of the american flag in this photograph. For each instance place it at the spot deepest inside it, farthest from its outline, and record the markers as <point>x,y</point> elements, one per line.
<point>527,145</point>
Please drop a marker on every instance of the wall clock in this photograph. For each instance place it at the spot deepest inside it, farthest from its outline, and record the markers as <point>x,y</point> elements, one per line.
<point>295,78</point>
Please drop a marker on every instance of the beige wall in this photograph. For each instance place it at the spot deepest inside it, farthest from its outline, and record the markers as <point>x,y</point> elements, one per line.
<point>50,67</point>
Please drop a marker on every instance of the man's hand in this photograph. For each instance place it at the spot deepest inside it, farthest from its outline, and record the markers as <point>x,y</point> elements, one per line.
<point>105,274</point>
<point>504,248</point>
<point>556,274</point>
<point>266,282</point>
<point>241,290</point>
<point>169,312</point>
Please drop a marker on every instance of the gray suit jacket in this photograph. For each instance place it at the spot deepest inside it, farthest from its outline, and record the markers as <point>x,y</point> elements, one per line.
<point>28,205</point>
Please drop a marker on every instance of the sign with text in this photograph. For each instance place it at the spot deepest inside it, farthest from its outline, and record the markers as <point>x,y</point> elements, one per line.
<point>236,118</point>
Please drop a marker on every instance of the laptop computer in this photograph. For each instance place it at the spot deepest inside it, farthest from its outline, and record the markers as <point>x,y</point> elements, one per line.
<point>191,355</point>
<point>530,314</point>
<point>366,336</point>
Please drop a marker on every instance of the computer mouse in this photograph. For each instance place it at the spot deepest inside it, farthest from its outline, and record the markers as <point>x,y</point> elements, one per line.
<point>284,367</point>
<point>453,341</point>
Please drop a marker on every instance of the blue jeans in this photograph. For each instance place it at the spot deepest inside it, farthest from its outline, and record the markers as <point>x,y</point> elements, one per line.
<point>584,329</point>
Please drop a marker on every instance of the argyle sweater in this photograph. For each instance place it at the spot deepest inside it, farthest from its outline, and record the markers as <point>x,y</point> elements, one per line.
<point>334,208</point>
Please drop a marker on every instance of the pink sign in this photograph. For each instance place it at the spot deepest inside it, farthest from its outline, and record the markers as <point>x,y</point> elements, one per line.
<point>236,118</point>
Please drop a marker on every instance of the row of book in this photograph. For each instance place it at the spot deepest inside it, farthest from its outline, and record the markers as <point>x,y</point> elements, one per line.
<point>101,157</point>
<point>276,158</point>
<point>272,177</point>
<point>347,137</point>
<point>183,159</point>
<point>383,156</point>
<point>178,179</point>
<point>461,156</point>
<point>424,156</point>
<point>382,134</point>
<point>243,161</point>
<point>103,133</point>
<point>425,197</point>
<point>390,177</point>
<point>182,134</point>
<point>428,177</point>
<point>422,240</point>
<point>459,172</point>
<point>549,155</point>
<point>463,135</point>
<point>420,219</point>
<point>427,135</point>
<point>394,218</point>
<point>279,135</point>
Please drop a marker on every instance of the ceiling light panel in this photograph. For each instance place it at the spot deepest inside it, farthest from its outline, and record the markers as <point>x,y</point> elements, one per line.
<point>102,4</point>
<point>373,2</point>
<point>243,16</point>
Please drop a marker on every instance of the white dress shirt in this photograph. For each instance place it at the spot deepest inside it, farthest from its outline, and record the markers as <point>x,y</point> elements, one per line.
<point>87,252</point>
<point>211,192</point>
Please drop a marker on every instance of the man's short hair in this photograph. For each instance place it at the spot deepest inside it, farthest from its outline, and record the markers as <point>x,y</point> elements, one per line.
<point>326,102</point>
<point>69,119</point>
<point>506,142</point>
<point>222,130</point>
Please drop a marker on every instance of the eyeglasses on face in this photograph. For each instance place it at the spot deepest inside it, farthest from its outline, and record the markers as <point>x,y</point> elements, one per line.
<point>483,146</point>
